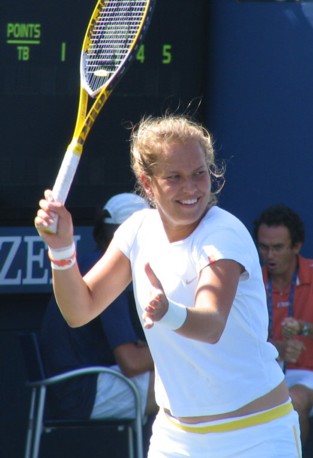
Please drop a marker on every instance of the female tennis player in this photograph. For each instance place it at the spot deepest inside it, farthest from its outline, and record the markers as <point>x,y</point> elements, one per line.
<point>200,295</point>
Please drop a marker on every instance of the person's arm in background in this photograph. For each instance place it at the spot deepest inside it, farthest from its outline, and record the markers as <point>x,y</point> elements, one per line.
<point>289,350</point>
<point>132,355</point>
<point>133,358</point>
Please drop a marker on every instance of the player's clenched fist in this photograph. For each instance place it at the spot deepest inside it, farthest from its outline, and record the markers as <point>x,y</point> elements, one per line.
<point>48,209</point>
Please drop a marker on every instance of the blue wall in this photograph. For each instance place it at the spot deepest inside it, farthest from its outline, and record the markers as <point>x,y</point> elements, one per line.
<point>260,105</point>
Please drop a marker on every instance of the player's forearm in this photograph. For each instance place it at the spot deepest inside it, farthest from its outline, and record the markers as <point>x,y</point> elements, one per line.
<point>203,325</point>
<point>73,296</point>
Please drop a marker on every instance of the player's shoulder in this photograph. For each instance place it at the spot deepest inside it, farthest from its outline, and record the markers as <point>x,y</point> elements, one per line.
<point>219,217</point>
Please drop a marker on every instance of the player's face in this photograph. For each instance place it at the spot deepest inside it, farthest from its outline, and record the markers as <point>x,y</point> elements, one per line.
<point>275,248</point>
<point>180,187</point>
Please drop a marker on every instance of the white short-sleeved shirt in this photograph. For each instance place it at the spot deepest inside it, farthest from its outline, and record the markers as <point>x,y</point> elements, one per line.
<point>196,378</point>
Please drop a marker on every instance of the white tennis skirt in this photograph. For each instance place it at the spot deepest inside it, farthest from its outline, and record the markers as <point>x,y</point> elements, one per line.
<point>273,433</point>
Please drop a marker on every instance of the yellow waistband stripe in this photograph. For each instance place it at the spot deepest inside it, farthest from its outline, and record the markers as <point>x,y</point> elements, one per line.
<point>238,423</point>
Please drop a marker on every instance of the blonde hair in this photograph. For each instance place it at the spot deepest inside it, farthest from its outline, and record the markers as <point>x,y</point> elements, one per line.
<point>149,137</point>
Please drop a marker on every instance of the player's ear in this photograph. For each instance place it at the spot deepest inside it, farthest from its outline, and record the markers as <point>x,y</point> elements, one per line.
<point>146,183</point>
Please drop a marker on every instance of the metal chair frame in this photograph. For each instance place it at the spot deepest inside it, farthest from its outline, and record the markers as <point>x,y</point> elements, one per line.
<point>38,382</point>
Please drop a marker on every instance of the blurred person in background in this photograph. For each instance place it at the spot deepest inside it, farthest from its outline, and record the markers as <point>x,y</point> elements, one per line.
<point>288,278</point>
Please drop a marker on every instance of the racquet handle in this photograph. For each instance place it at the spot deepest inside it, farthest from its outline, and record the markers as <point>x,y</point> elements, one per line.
<point>64,179</point>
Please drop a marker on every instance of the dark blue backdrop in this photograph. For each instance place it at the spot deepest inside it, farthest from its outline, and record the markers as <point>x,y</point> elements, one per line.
<point>260,105</point>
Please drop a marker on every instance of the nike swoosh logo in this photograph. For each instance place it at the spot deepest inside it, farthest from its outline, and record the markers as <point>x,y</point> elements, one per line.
<point>190,281</point>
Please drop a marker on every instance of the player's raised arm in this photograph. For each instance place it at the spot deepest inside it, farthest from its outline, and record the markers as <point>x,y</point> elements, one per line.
<point>80,299</point>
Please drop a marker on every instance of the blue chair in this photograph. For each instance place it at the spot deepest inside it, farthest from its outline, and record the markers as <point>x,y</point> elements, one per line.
<point>38,382</point>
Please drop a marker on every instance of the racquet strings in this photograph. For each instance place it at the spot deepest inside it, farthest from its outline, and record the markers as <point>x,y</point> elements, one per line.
<point>110,39</point>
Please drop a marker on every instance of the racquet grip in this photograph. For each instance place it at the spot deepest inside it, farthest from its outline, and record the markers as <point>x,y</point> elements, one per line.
<point>64,180</point>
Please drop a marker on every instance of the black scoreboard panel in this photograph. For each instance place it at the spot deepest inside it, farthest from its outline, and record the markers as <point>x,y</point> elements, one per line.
<point>40,45</point>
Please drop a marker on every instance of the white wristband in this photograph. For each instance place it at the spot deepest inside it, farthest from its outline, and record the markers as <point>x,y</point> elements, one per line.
<point>62,253</point>
<point>175,316</point>
<point>62,258</point>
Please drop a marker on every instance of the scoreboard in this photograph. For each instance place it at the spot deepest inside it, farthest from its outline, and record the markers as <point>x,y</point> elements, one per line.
<point>40,45</point>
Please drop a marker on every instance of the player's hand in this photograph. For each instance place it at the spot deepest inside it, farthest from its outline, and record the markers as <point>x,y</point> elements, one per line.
<point>290,327</point>
<point>158,303</point>
<point>48,207</point>
<point>292,350</point>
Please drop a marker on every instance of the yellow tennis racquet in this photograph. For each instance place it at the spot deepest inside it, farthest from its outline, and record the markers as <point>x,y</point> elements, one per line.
<point>114,33</point>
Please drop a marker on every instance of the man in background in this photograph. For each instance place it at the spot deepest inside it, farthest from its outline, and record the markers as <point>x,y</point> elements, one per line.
<point>288,278</point>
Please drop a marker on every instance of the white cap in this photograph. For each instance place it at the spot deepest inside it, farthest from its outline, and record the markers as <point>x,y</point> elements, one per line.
<point>122,206</point>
